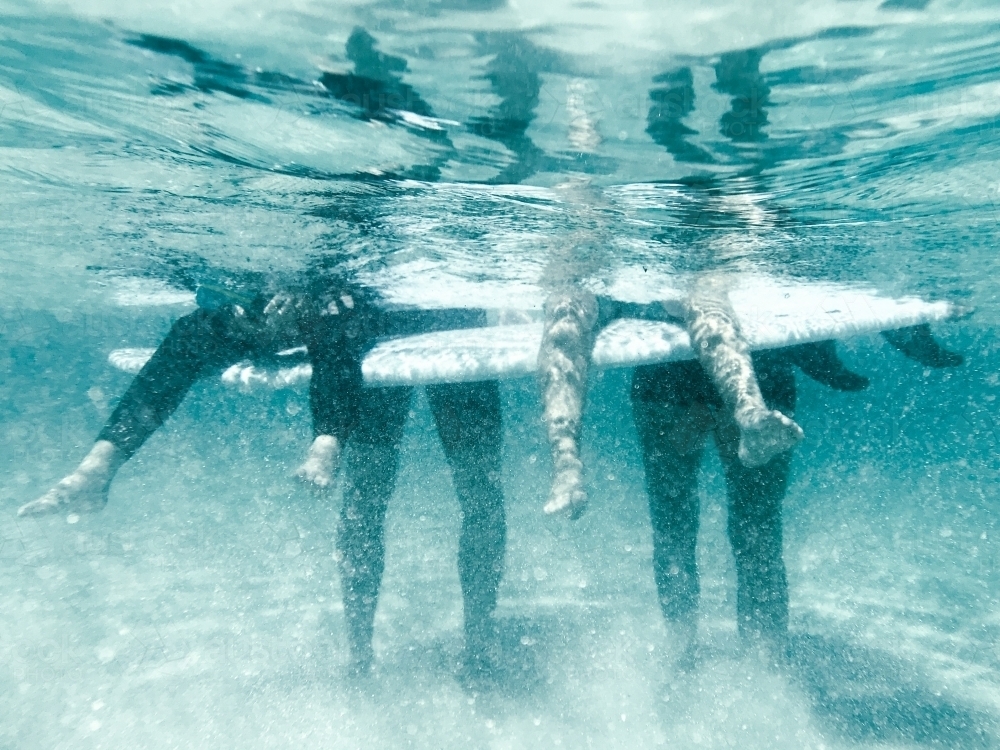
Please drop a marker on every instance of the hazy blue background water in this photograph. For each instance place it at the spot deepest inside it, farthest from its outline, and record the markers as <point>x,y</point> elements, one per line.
<point>147,148</point>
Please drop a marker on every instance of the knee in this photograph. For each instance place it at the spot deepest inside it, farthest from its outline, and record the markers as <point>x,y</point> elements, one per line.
<point>486,514</point>
<point>197,331</point>
<point>483,508</point>
<point>675,535</point>
<point>361,519</point>
<point>199,323</point>
<point>575,303</point>
<point>473,446</point>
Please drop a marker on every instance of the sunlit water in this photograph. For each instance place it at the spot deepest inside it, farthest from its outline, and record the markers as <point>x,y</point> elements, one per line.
<point>148,148</point>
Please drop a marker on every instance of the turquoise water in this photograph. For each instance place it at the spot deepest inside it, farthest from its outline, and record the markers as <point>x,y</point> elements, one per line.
<point>147,149</point>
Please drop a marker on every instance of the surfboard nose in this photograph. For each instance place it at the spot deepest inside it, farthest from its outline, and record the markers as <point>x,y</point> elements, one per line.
<point>961,312</point>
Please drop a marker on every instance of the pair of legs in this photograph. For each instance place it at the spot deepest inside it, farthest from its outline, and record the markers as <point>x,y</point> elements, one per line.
<point>675,407</point>
<point>468,418</point>
<point>199,344</point>
<point>573,317</point>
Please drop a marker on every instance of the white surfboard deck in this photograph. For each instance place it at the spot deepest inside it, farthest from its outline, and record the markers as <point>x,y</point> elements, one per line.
<point>771,315</point>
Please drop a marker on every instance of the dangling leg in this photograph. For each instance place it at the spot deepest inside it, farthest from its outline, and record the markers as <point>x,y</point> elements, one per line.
<point>918,343</point>
<point>86,489</point>
<point>725,355</point>
<point>563,362</point>
<point>370,478</point>
<point>337,330</point>
<point>196,343</point>
<point>469,422</point>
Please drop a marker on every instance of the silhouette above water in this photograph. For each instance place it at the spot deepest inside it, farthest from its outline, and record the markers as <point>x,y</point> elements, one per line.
<point>212,75</point>
<point>374,90</point>
<point>514,73</point>
<point>672,101</point>
<point>375,87</point>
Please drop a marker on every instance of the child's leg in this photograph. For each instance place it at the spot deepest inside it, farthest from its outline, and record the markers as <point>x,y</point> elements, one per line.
<point>563,361</point>
<point>725,355</point>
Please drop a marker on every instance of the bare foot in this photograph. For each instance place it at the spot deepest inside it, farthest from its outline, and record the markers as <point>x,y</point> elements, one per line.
<point>482,657</point>
<point>83,491</point>
<point>764,435</point>
<point>567,488</point>
<point>320,466</point>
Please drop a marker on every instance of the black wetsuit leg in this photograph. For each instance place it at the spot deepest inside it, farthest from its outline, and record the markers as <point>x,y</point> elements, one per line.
<point>468,418</point>
<point>337,383</point>
<point>672,423</point>
<point>469,422</point>
<point>755,524</point>
<point>675,405</point>
<point>196,344</point>
<point>370,470</point>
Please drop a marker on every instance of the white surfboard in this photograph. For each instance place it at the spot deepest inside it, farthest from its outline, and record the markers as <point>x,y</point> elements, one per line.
<point>772,314</point>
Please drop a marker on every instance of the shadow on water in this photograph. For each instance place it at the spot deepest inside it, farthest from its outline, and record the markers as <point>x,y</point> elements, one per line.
<point>867,695</point>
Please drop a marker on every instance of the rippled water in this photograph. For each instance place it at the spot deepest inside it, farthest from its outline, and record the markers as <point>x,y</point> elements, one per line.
<point>448,152</point>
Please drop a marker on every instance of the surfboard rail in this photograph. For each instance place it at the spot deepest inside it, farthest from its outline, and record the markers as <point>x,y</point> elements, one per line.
<point>783,316</point>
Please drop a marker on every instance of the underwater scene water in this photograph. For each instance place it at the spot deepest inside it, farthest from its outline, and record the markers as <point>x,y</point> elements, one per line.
<point>450,154</point>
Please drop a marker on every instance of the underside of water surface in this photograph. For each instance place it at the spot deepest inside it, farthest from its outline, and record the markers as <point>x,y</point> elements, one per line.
<point>451,154</point>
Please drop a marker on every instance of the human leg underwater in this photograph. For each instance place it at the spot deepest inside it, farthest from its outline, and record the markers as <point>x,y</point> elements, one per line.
<point>571,318</point>
<point>370,468</point>
<point>672,426</point>
<point>196,344</point>
<point>675,406</point>
<point>469,424</point>
<point>755,495</point>
<point>337,343</point>
<point>725,355</point>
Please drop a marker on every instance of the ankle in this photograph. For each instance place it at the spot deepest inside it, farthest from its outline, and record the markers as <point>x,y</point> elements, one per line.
<point>324,448</point>
<point>104,458</point>
<point>749,415</point>
<point>566,458</point>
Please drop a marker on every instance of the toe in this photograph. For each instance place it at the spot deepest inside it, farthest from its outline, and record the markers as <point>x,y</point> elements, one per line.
<point>37,508</point>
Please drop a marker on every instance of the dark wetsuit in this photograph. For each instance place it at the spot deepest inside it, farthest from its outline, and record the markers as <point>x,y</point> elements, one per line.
<point>675,406</point>
<point>469,423</point>
<point>198,344</point>
<point>468,418</point>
